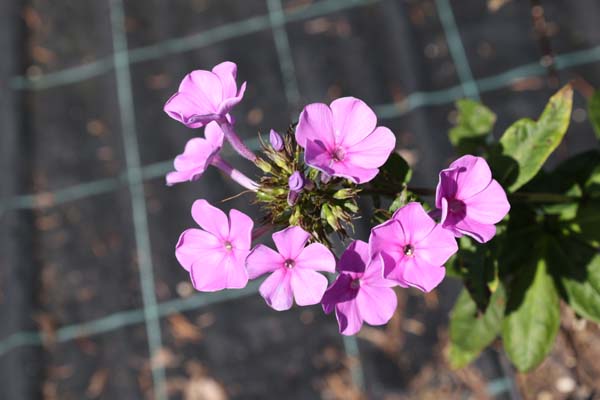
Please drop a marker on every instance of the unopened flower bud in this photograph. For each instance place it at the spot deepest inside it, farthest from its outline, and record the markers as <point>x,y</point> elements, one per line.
<point>296,181</point>
<point>263,165</point>
<point>328,215</point>
<point>292,198</point>
<point>344,194</point>
<point>276,140</point>
<point>325,178</point>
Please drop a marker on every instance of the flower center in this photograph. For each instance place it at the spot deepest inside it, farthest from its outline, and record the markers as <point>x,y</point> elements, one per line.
<point>228,246</point>
<point>338,154</point>
<point>355,284</point>
<point>456,206</point>
<point>289,264</point>
<point>409,250</point>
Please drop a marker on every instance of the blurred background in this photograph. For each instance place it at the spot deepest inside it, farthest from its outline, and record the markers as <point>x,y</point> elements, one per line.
<point>93,303</point>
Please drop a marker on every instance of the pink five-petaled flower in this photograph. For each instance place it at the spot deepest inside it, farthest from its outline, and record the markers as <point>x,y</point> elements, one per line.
<point>294,269</point>
<point>343,139</point>
<point>197,156</point>
<point>360,292</point>
<point>414,247</point>
<point>470,200</point>
<point>215,255</point>
<point>206,96</point>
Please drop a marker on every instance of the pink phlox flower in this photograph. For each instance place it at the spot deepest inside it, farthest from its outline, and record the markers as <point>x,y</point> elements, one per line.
<point>206,96</point>
<point>470,200</point>
<point>293,269</point>
<point>360,293</point>
<point>197,156</point>
<point>414,247</point>
<point>215,255</point>
<point>343,139</point>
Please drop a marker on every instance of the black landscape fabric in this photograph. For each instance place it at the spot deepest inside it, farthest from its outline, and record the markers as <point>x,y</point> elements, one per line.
<point>74,301</point>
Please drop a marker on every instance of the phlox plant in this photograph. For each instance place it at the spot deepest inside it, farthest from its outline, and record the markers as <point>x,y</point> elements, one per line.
<point>519,236</point>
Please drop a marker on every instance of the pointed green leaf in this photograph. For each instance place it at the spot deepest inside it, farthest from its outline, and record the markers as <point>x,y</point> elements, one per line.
<point>527,144</point>
<point>594,112</point>
<point>578,269</point>
<point>471,331</point>
<point>532,314</point>
<point>475,121</point>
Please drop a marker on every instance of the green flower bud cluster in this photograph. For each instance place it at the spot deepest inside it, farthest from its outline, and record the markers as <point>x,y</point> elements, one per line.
<point>323,206</point>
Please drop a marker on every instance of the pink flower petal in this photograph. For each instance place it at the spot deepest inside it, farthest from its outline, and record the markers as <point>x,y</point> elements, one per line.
<point>374,274</point>
<point>261,260</point>
<point>308,286</point>
<point>446,187</point>
<point>183,176</point>
<point>205,87</point>
<point>480,232</point>
<point>240,229</point>
<point>388,237</point>
<point>415,222</point>
<point>214,135</point>
<point>338,292</point>
<point>488,206</point>
<point>376,304</point>
<point>227,72</point>
<point>317,156</point>
<point>196,154</point>
<point>348,316</point>
<point>291,241</point>
<point>192,243</point>
<point>315,257</point>
<point>277,290</point>
<point>420,274</point>
<point>353,121</point>
<point>315,123</point>
<point>472,175</point>
<point>437,247</point>
<point>354,172</point>
<point>217,271</point>
<point>208,273</point>
<point>230,102</point>
<point>182,107</point>
<point>355,259</point>
<point>374,150</point>
<point>210,218</point>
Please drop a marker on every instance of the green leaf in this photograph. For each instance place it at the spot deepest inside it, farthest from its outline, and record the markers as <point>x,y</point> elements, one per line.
<point>471,331</point>
<point>594,112</point>
<point>532,314</point>
<point>577,268</point>
<point>393,175</point>
<point>477,266</point>
<point>527,144</point>
<point>586,223</point>
<point>475,121</point>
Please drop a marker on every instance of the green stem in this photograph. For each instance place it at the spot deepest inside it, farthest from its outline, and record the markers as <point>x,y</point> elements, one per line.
<point>518,197</point>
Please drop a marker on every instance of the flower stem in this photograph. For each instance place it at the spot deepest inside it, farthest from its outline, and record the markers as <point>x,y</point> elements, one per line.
<point>542,197</point>
<point>527,197</point>
<point>235,174</point>
<point>236,142</point>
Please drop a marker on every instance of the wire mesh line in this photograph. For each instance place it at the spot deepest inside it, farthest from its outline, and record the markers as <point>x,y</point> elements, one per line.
<point>386,111</point>
<point>290,84</point>
<point>123,319</point>
<point>136,188</point>
<point>457,50</point>
<point>284,53</point>
<point>180,45</point>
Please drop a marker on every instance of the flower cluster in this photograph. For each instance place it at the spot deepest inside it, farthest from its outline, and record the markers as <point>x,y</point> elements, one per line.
<point>310,181</point>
